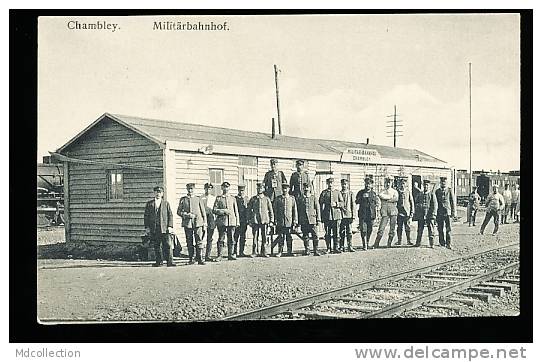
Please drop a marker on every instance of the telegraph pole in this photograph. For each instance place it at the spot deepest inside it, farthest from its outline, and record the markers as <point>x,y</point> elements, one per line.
<point>470,128</point>
<point>277,92</point>
<point>395,124</point>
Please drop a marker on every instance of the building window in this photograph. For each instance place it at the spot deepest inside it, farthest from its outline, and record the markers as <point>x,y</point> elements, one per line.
<point>248,174</point>
<point>216,177</point>
<point>115,182</point>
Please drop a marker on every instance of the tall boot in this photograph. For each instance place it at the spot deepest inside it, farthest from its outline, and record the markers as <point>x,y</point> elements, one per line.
<point>191,255</point>
<point>363,245</point>
<point>341,243</point>
<point>409,242</point>
<point>198,256</point>
<point>219,247</point>
<point>231,256</point>
<point>306,246</point>
<point>315,247</point>
<point>399,238</point>
<point>377,241</point>
<point>289,248</point>
<point>328,245</point>
<point>390,240</point>
<point>208,248</point>
<point>241,247</point>
<point>264,251</point>
<point>349,243</point>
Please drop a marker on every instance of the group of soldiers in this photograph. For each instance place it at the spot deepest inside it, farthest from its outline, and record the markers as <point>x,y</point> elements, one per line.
<point>281,209</point>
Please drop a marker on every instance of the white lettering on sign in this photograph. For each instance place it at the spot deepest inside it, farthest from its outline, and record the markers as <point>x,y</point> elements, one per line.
<point>360,155</point>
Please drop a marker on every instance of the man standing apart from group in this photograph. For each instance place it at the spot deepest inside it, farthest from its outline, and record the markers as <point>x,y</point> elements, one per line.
<point>494,205</point>
<point>426,213</point>
<point>405,209</point>
<point>345,228</point>
<point>194,220</point>
<point>369,206</point>
<point>285,210</point>
<point>388,212</point>
<point>227,219</point>
<point>331,203</point>
<point>158,221</point>
<point>474,204</point>
<point>514,202</point>
<point>507,195</point>
<point>260,216</point>
<point>240,234</point>
<point>309,218</point>
<point>446,210</point>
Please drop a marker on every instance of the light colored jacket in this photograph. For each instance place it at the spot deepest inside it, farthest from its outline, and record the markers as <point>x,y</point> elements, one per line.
<point>495,202</point>
<point>388,201</point>
<point>192,211</point>
<point>260,210</point>
<point>226,211</point>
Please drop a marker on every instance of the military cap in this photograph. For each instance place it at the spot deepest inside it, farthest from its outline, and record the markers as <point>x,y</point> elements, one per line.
<point>273,161</point>
<point>241,187</point>
<point>474,187</point>
<point>403,179</point>
<point>426,181</point>
<point>225,183</point>
<point>158,188</point>
<point>344,181</point>
<point>190,184</point>
<point>369,180</point>
<point>443,178</point>
<point>259,184</point>
<point>300,162</point>
<point>306,185</point>
<point>208,185</point>
<point>330,180</point>
<point>285,186</point>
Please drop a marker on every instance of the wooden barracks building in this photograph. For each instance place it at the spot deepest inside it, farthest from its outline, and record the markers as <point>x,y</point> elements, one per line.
<point>111,167</point>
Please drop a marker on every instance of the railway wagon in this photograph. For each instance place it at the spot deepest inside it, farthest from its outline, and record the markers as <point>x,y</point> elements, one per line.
<point>484,180</point>
<point>111,166</point>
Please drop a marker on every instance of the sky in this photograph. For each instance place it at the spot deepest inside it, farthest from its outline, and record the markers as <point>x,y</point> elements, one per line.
<point>340,78</point>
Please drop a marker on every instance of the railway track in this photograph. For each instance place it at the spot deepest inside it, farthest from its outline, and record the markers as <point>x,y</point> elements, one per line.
<point>437,290</point>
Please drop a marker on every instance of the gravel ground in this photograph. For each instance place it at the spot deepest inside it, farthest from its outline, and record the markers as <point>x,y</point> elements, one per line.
<point>108,290</point>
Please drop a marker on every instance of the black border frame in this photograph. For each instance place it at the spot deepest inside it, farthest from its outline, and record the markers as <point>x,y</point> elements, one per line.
<point>23,323</point>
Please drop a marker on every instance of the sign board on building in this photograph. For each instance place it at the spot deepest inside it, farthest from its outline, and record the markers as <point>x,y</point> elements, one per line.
<point>360,155</point>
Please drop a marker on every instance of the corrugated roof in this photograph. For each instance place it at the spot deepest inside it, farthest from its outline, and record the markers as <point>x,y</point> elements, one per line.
<point>177,131</point>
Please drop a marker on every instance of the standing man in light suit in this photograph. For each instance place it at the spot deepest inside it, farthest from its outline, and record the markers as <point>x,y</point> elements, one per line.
<point>194,220</point>
<point>388,212</point>
<point>227,219</point>
<point>405,210</point>
<point>209,201</point>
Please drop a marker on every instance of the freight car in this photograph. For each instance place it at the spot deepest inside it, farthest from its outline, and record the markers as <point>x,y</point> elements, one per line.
<point>484,180</point>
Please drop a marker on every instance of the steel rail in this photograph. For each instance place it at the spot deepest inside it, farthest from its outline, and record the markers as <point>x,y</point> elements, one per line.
<point>437,294</point>
<point>294,304</point>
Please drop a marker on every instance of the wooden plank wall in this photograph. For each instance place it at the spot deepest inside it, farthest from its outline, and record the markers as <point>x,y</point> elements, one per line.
<point>92,216</point>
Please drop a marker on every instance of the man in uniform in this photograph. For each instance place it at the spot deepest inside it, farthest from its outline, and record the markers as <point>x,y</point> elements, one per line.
<point>426,212</point>
<point>158,221</point>
<point>474,204</point>
<point>507,195</point>
<point>388,212</point>
<point>405,210</point>
<point>209,200</point>
<point>260,216</point>
<point>494,205</point>
<point>299,178</point>
<point>227,219</point>
<point>273,181</point>
<point>194,220</point>
<point>345,227</point>
<point>331,203</point>
<point>369,206</point>
<point>240,235</point>
<point>309,218</point>
<point>445,211</point>
<point>285,210</point>
<point>514,206</point>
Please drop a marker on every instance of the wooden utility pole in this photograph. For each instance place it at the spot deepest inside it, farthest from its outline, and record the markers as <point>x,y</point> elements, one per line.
<point>395,123</point>
<point>277,92</point>
<point>470,129</point>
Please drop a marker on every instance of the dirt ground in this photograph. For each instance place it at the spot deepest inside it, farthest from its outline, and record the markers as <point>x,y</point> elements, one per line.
<point>93,290</point>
